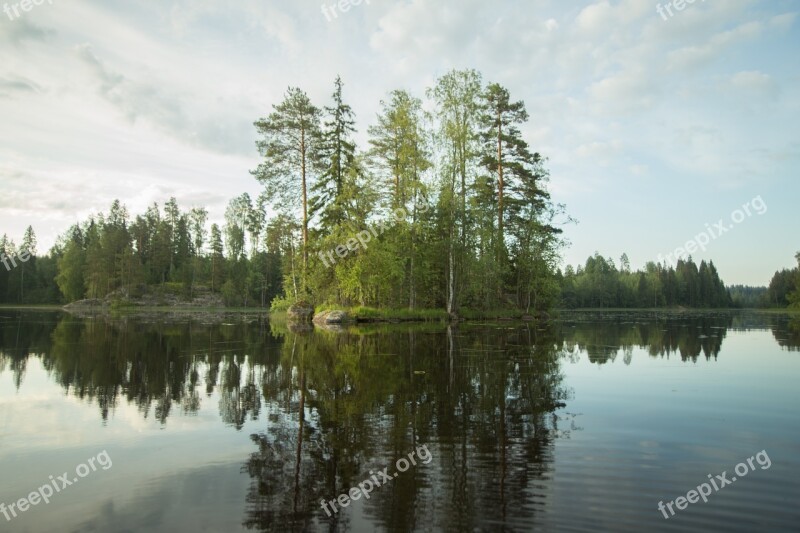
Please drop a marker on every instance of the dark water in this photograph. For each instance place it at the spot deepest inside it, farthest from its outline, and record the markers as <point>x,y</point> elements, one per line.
<point>585,424</point>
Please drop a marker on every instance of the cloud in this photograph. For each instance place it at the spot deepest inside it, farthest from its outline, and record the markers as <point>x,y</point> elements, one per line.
<point>599,150</point>
<point>121,100</point>
<point>631,91</point>
<point>20,30</point>
<point>783,22</point>
<point>693,57</point>
<point>167,109</point>
<point>17,84</point>
<point>603,18</point>
<point>755,83</point>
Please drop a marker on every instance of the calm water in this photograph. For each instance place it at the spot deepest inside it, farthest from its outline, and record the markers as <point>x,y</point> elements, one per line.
<point>581,425</point>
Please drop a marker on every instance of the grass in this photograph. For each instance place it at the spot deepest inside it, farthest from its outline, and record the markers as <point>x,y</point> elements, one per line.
<point>680,309</point>
<point>33,307</point>
<point>366,314</point>
<point>492,314</point>
<point>371,313</point>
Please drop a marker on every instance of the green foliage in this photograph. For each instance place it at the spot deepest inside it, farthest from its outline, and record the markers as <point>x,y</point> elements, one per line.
<point>106,254</point>
<point>794,297</point>
<point>366,314</point>
<point>281,304</point>
<point>446,209</point>
<point>748,297</point>
<point>783,288</point>
<point>598,284</point>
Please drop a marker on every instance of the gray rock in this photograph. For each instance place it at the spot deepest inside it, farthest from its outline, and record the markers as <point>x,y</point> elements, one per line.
<point>300,312</point>
<point>331,318</point>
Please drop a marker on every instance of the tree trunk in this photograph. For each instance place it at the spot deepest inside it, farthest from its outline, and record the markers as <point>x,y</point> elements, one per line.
<point>305,205</point>
<point>500,183</point>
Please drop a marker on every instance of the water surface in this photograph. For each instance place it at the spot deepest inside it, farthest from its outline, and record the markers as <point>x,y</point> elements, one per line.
<point>584,424</point>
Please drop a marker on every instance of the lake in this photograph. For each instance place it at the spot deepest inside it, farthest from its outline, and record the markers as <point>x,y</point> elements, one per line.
<point>190,423</point>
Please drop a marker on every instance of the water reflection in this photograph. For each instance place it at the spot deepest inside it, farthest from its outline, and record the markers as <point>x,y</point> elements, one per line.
<point>603,336</point>
<point>331,406</point>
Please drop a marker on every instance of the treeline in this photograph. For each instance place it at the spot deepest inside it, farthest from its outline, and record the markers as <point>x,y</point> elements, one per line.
<point>26,277</point>
<point>783,290</point>
<point>110,253</point>
<point>600,283</point>
<point>458,194</point>
<point>445,207</point>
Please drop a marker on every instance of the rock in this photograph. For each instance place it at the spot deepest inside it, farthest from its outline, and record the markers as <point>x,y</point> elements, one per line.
<point>300,327</point>
<point>300,312</point>
<point>89,303</point>
<point>331,317</point>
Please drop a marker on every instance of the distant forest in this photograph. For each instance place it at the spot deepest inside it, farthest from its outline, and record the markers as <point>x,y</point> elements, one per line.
<point>80,265</point>
<point>446,207</point>
<point>600,283</point>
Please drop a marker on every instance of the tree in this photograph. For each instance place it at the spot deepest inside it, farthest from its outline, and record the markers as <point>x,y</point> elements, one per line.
<point>504,149</point>
<point>624,263</point>
<point>457,97</point>
<point>534,236</point>
<point>71,265</point>
<point>5,253</point>
<point>217,259</point>
<point>794,297</point>
<point>401,155</point>
<point>197,227</point>
<point>237,215</point>
<point>256,220</point>
<point>336,154</point>
<point>171,216</point>
<point>288,144</point>
<point>28,248</point>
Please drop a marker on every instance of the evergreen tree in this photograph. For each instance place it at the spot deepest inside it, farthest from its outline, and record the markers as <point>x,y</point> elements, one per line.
<point>336,153</point>
<point>288,144</point>
<point>400,154</point>
<point>217,259</point>
<point>27,259</point>
<point>505,152</point>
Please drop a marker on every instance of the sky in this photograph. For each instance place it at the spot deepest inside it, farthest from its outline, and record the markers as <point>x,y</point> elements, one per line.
<point>656,126</point>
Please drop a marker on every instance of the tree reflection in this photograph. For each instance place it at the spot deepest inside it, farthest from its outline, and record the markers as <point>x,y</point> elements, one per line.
<point>360,402</point>
<point>332,405</point>
<point>603,336</point>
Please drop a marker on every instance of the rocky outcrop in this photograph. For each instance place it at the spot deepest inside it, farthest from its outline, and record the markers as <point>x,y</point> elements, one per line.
<point>145,297</point>
<point>88,304</point>
<point>201,298</point>
<point>300,312</point>
<point>331,318</point>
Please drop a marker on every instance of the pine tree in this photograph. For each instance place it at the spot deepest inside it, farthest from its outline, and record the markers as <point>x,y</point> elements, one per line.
<point>288,144</point>
<point>27,253</point>
<point>505,152</point>
<point>336,153</point>
<point>217,257</point>
<point>400,153</point>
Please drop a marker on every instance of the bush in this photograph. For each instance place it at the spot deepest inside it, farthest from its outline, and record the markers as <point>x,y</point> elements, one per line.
<point>280,304</point>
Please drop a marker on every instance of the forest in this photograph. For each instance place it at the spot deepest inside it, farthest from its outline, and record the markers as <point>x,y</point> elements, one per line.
<point>459,198</point>
<point>601,284</point>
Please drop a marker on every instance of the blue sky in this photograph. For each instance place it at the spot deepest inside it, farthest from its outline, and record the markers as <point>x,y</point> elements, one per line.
<point>653,128</point>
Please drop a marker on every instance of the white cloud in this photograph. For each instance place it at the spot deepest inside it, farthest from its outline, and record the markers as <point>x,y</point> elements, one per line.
<point>700,55</point>
<point>115,99</point>
<point>755,82</point>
